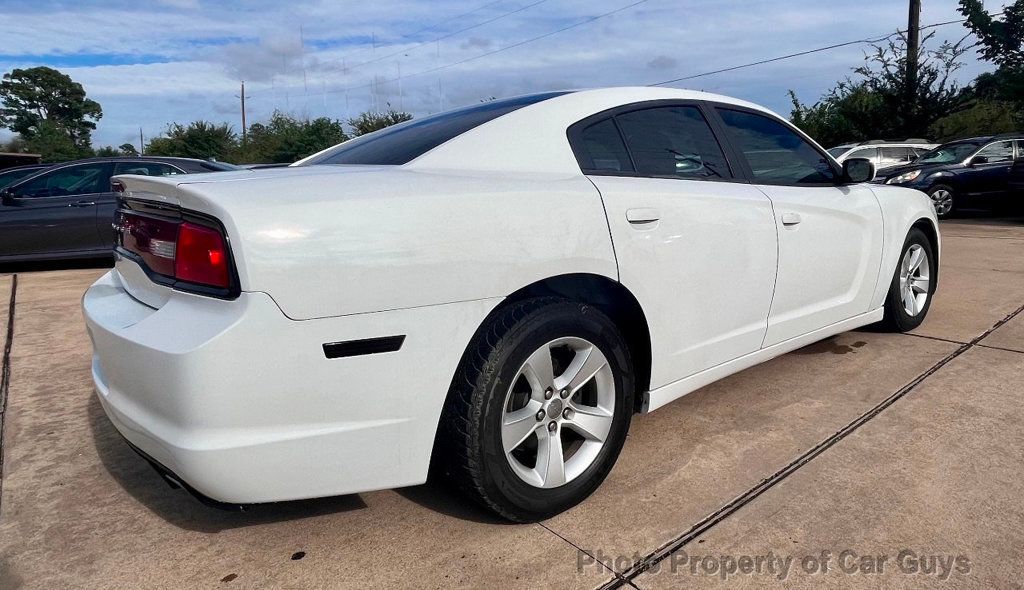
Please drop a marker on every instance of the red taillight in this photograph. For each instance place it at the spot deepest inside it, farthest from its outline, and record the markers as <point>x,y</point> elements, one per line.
<point>178,250</point>
<point>201,256</point>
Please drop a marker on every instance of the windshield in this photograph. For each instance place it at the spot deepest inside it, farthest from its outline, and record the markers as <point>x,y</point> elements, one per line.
<point>837,151</point>
<point>402,143</point>
<point>950,152</point>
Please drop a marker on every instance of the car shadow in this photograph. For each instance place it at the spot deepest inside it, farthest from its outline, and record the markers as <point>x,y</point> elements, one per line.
<point>177,506</point>
<point>439,496</point>
<point>49,265</point>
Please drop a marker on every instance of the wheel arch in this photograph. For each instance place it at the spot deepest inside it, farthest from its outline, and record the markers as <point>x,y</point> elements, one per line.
<point>928,227</point>
<point>606,294</point>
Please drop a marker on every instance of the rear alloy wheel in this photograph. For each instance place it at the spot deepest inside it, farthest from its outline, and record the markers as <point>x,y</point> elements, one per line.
<point>910,293</point>
<point>539,410</point>
<point>556,421</point>
<point>943,200</point>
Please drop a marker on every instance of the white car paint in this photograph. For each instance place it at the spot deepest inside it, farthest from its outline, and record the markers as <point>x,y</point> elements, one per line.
<point>237,398</point>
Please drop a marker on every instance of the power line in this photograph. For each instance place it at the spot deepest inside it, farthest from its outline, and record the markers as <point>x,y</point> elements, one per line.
<point>801,53</point>
<point>489,53</point>
<point>423,30</point>
<point>442,37</point>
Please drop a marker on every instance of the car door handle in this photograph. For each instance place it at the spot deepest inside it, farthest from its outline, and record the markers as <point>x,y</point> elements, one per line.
<point>642,215</point>
<point>791,218</point>
<point>82,204</point>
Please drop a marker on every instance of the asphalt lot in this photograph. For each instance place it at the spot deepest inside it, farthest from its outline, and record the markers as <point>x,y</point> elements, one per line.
<point>870,443</point>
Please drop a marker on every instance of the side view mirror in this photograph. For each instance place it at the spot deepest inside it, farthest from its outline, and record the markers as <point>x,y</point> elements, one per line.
<point>857,170</point>
<point>914,157</point>
<point>978,160</point>
<point>6,197</point>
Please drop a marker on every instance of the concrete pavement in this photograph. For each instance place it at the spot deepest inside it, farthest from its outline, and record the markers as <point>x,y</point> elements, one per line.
<point>869,442</point>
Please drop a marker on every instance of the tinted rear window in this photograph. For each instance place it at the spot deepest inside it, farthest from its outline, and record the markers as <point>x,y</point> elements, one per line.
<point>402,143</point>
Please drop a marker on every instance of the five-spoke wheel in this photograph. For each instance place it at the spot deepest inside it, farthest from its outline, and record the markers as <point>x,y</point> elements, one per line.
<point>912,284</point>
<point>558,412</point>
<point>540,408</point>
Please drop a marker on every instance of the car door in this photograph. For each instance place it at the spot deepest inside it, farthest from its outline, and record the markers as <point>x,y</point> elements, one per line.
<point>54,212</point>
<point>695,244</point>
<point>830,235</point>
<point>106,204</point>
<point>988,171</point>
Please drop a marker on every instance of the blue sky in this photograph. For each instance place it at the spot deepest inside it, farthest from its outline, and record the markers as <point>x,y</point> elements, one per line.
<point>152,63</point>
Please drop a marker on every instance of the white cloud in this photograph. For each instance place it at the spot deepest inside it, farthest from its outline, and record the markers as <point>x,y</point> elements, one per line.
<point>208,50</point>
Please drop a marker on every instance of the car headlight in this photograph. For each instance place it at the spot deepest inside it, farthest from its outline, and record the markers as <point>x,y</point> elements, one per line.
<point>904,178</point>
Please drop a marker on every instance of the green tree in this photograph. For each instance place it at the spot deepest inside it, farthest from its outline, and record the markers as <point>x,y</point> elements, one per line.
<point>51,142</point>
<point>1000,41</point>
<point>875,104</point>
<point>128,149</point>
<point>285,139</point>
<point>42,101</point>
<point>369,122</point>
<point>982,117</point>
<point>199,139</point>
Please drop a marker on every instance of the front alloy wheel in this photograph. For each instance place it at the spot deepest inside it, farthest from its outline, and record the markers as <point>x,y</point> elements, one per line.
<point>539,408</point>
<point>942,200</point>
<point>915,279</point>
<point>913,284</point>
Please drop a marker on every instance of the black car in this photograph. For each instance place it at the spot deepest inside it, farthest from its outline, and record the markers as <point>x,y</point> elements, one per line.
<point>1017,174</point>
<point>16,173</point>
<point>971,172</point>
<point>66,210</point>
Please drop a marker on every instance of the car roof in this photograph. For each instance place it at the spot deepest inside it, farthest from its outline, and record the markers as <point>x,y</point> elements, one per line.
<point>543,148</point>
<point>25,167</point>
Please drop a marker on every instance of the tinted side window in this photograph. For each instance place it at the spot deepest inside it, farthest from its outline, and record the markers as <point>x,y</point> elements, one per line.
<point>775,153</point>
<point>868,153</point>
<point>998,152</point>
<point>673,141</point>
<point>603,150</point>
<point>402,143</point>
<point>73,180</point>
<point>145,168</point>
<point>895,155</point>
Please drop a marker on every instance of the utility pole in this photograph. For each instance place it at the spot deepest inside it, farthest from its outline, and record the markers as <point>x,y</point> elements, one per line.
<point>142,145</point>
<point>913,52</point>
<point>243,97</point>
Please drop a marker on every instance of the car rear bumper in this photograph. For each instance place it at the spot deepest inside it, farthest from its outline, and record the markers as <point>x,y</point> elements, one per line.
<point>241,404</point>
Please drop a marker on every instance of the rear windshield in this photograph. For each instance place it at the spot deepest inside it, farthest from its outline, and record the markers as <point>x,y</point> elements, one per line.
<point>838,151</point>
<point>402,143</point>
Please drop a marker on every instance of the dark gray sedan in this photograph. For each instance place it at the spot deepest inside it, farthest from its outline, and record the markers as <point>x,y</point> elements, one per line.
<point>66,210</point>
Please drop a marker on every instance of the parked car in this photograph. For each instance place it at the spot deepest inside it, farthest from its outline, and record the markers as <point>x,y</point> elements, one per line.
<point>66,210</point>
<point>971,172</point>
<point>883,154</point>
<point>501,303</point>
<point>1017,176</point>
<point>11,175</point>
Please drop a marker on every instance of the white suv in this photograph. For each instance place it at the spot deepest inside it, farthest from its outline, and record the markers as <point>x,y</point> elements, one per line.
<point>883,154</point>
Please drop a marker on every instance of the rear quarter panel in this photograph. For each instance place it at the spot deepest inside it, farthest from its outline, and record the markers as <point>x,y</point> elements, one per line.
<point>334,242</point>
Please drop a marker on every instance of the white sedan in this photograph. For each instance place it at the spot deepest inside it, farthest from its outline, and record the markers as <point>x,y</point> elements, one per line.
<point>492,291</point>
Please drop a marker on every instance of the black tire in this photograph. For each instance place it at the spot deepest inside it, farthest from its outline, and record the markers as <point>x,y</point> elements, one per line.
<point>470,450</point>
<point>896,318</point>
<point>933,193</point>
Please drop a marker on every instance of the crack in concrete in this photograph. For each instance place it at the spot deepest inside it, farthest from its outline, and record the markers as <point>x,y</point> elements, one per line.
<point>5,374</point>
<point>620,579</point>
<point>771,481</point>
